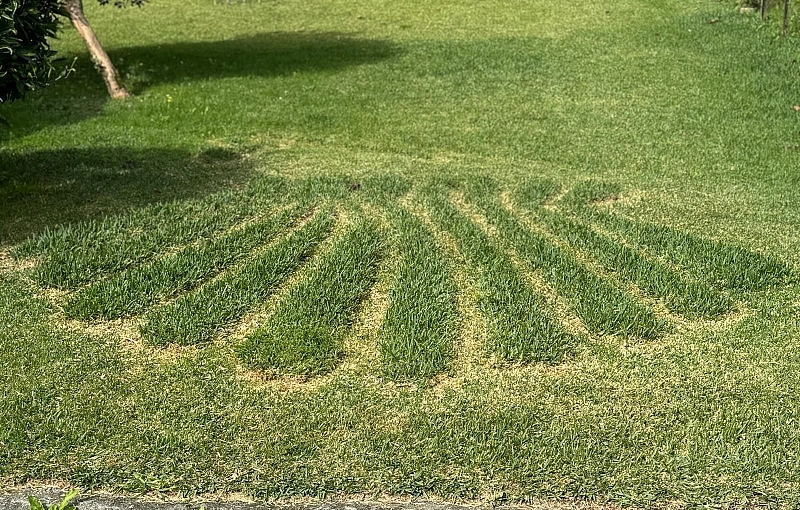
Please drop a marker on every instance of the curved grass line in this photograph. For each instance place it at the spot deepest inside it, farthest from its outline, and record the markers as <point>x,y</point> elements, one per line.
<point>305,334</point>
<point>724,265</point>
<point>77,259</point>
<point>689,298</point>
<point>521,326</point>
<point>195,317</point>
<point>603,307</point>
<point>136,289</point>
<point>418,335</point>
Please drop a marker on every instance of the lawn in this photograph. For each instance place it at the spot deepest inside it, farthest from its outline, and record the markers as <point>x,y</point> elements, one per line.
<point>498,251</point>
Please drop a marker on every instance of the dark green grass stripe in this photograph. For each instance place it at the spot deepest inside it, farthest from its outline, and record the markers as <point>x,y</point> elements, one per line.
<point>724,265</point>
<point>195,317</point>
<point>603,307</point>
<point>418,335</point>
<point>521,326</point>
<point>136,289</point>
<point>690,298</point>
<point>305,334</point>
<point>173,225</point>
<point>76,255</point>
<point>686,297</point>
<point>133,223</point>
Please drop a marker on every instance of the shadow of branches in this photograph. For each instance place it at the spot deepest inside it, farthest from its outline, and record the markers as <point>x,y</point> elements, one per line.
<point>82,95</point>
<point>49,187</point>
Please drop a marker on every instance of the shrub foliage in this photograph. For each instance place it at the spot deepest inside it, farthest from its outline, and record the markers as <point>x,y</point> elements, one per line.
<point>25,53</point>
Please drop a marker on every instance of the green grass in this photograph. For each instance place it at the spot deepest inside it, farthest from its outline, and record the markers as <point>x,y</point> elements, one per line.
<point>602,306</point>
<point>521,325</point>
<point>76,255</point>
<point>137,288</point>
<point>514,251</point>
<point>680,294</point>
<point>305,334</point>
<point>195,317</point>
<point>417,339</point>
<point>726,265</point>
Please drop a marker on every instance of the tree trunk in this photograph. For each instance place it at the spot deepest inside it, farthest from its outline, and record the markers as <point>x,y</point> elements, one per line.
<point>99,56</point>
<point>763,9</point>
<point>785,16</point>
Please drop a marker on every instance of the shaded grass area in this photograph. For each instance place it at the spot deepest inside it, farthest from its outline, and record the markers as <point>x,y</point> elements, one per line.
<point>43,188</point>
<point>305,333</point>
<point>261,55</point>
<point>688,297</point>
<point>603,307</point>
<point>521,325</point>
<point>76,254</point>
<point>418,335</point>
<point>194,318</point>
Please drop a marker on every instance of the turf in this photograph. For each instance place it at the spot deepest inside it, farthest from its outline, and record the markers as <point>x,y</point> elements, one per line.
<point>195,317</point>
<point>417,339</point>
<point>492,251</point>
<point>521,325</point>
<point>603,307</point>
<point>136,289</point>
<point>681,295</point>
<point>304,335</point>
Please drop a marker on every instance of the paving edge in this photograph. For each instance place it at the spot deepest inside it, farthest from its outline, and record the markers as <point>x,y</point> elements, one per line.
<point>17,499</point>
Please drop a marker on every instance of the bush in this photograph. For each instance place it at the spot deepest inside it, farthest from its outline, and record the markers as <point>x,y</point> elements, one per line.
<point>25,55</point>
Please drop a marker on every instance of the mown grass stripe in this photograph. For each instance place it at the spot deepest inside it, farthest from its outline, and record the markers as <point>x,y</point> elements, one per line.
<point>418,335</point>
<point>686,297</point>
<point>724,265</point>
<point>521,326</point>
<point>133,223</point>
<point>689,298</point>
<point>306,332</point>
<point>602,307</point>
<point>136,289</point>
<point>84,254</point>
<point>77,254</point>
<point>194,318</point>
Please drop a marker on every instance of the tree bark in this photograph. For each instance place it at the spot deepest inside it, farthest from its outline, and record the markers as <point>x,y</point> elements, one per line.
<point>99,56</point>
<point>785,16</point>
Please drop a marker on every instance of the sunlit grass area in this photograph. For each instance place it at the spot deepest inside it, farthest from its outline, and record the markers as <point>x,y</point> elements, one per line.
<point>498,251</point>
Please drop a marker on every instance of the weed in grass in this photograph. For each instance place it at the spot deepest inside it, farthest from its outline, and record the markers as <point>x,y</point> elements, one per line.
<point>602,306</point>
<point>521,325</point>
<point>417,338</point>
<point>305,333</point>
<point>64,504</point>
<point>195,317</point>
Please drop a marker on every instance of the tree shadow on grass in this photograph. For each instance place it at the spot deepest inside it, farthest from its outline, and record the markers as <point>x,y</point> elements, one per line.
<point>51,187</point>
<point>82,95</point>
<point>262,55</point>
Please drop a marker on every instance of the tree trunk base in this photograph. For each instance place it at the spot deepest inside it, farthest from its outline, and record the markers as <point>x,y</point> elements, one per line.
<point>99,56</point>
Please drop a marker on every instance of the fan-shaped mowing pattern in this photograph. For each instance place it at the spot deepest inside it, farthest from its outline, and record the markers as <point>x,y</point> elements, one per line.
<point>188,272</point>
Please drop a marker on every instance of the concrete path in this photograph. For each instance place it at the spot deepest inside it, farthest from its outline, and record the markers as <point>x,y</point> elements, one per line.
<point>18,500</point>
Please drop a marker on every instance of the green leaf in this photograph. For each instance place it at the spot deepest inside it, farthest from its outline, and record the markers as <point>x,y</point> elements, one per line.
<point>35,503</point>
